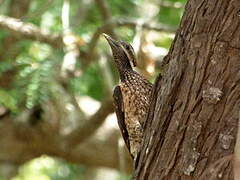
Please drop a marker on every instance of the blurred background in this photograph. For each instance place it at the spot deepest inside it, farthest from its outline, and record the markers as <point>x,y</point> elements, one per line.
<point>56,81</point>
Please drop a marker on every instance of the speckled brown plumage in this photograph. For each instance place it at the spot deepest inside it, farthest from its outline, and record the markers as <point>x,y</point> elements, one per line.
<point>131,96</point>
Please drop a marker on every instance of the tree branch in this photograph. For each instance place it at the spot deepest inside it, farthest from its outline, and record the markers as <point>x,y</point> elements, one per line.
<point>122,22</point>
<point>26,142</point>
<point>90,125</point>
<point>30,31</point>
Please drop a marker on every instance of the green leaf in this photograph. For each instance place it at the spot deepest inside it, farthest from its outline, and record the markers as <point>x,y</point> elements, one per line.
<point>7,100</point>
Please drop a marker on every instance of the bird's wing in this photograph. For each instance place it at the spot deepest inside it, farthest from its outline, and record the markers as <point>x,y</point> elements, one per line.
<point>118,103</point>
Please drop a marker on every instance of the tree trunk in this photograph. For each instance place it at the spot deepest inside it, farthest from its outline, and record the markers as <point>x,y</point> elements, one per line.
<point>192,123</point>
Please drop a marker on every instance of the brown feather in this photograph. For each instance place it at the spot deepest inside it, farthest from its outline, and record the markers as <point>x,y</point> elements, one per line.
<point>118,104</point>
<point>131,96</point>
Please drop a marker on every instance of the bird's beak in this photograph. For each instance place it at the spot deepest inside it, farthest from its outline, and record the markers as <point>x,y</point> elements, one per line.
<point>113,43</point>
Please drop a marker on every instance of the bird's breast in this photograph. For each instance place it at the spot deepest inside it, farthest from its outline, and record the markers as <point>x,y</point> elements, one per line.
<point>135,103</point>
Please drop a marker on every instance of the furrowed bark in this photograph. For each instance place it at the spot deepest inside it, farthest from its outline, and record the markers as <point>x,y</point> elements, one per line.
<point>192,122</point>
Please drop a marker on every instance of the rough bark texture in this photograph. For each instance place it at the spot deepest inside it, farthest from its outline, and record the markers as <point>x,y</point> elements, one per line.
<point>192,123</point>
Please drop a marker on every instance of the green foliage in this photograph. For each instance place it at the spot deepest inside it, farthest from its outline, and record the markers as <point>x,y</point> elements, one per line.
<point>124,7</point>
<point>7,100</point>
<point>125,34</point>
<point>45,14</point>
<point>165,40</point>
<point>4,6</point>
<point>170,16</point>
<point>90,83</point>
<point>5,66</point>
<point>35,73</point>
<point>46,168</point>
<point>124,177</point>
<point>90,23</point>
<point>3,34</point>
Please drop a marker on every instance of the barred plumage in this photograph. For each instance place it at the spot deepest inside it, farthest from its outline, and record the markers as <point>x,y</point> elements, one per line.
<point>131,96</point>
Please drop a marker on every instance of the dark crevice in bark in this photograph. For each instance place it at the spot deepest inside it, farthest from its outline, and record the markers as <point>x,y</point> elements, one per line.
<point>192,122</point>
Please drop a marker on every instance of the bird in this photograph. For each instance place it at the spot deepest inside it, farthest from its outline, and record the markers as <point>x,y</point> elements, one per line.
<point>131,96</point>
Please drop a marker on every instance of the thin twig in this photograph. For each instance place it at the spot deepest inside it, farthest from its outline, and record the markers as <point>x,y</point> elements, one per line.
<point>30,31</point>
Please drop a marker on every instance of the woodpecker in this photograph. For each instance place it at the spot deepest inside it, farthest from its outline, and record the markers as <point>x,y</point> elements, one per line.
<point>131,96</point>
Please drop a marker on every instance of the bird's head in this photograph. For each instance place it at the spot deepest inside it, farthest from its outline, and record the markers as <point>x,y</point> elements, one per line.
<point>123,52</point>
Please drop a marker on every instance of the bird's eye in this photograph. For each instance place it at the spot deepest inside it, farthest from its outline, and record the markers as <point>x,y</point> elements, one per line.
<point>127,47</point>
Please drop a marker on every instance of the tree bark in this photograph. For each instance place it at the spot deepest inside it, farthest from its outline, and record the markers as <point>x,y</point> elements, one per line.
<point>192,122</point>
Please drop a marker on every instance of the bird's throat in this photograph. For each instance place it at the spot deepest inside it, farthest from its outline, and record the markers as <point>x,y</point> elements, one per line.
<point>123,69</point>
